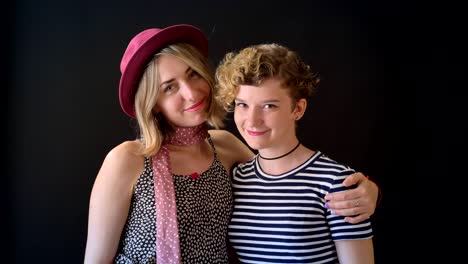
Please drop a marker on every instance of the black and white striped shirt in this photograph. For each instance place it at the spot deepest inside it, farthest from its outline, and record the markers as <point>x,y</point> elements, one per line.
<point>283,219</point>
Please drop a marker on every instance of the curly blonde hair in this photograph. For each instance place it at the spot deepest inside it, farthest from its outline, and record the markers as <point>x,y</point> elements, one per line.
<point>153,128</point>
<point>254,64</point>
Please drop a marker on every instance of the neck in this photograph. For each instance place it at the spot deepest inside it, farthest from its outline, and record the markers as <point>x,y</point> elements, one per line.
<point>281,156</point>
<point>184,136</point>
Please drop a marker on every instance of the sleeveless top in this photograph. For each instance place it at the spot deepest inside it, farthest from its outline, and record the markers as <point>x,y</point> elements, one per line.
<point>204,207</point>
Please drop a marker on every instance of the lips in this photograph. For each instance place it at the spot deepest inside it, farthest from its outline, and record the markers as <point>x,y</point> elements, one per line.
<point>196,106</point>
<point>254,133</point>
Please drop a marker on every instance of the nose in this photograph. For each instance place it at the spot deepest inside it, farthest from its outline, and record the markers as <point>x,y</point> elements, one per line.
<point>188,91</point>
<point>254,116</point>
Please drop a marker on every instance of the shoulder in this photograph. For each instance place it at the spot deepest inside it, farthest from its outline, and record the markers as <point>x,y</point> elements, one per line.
<point>221,135</point>
<point>230,148</point>
<point>225,139</point>
<point>125,152</point>
<point>332,165</point>
<point>123,163</point>
<point>336,171</point>
<point>245,166</point>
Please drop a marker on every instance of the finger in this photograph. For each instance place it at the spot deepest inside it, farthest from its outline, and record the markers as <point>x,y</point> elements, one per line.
<point>332,205</point>
<point>354,211</point>
<point>354,178</point>
<point>343,196</point>
<point>349,207</point>
<point>356,219</point>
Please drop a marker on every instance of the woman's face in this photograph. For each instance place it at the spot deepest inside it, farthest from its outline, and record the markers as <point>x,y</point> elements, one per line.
<point>184,95</point>
<point>266,117</point>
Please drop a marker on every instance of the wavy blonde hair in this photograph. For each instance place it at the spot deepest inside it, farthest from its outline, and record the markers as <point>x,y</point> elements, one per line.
<point>254,64</point>
<point>153,128</point>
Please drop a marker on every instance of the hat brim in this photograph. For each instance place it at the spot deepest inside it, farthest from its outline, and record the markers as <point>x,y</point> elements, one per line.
<point>132,74</point>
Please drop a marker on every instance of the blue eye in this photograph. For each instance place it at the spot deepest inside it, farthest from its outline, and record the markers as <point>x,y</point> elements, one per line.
<point>269,106</point>
<point>168,88</point>
<point>241,105</point>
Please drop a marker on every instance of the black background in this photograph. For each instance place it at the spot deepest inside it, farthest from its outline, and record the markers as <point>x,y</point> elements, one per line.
<point>373,110</point>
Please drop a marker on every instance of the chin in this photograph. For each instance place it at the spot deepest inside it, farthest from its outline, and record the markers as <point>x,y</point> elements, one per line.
<point>190,123</point>
<point>193,124</point>
<point>254,144</point>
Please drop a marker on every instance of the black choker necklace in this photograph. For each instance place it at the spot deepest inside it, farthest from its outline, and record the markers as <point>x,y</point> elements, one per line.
<point>298,143</point>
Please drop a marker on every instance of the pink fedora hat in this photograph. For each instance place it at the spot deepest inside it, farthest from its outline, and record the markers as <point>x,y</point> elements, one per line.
<point>140,51</point>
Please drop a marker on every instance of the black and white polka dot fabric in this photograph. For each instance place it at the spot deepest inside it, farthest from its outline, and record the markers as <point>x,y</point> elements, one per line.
<point>204,207</point>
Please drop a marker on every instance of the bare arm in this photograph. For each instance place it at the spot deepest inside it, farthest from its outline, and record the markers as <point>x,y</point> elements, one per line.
<point>231,150</point>
<point>356,204</point>
<point>110,202</point>
<point>359,251</point>
<point>243,152</point>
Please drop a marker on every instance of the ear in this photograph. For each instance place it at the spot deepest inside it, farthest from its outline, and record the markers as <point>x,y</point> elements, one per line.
<point>299,110</point>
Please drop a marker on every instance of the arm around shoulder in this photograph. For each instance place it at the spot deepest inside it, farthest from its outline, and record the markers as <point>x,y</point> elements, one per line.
<point>231,147</point>
<point>356,204</point>
<point>110,201</point>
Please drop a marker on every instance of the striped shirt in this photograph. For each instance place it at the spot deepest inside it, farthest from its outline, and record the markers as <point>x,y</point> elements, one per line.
<point>283,219</point>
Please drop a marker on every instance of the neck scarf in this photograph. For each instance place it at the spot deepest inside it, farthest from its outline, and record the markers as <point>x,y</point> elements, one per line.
<point>167,232</point>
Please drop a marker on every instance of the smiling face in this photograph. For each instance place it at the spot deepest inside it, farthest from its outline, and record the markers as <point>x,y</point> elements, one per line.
<point>266,115</point>
<point>183,93</point>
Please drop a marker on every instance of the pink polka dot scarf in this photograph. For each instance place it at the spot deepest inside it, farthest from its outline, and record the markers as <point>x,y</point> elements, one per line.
<point>167,231</point>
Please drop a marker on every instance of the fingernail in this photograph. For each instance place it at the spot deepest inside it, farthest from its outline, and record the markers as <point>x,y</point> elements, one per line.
<point>326,206</point>
<point>332,212</point>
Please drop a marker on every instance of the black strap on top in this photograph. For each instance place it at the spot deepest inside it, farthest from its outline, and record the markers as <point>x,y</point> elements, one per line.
<point>212,145</point>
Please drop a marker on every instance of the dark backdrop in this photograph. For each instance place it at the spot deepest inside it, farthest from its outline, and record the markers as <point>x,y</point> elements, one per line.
<point>63,113</point>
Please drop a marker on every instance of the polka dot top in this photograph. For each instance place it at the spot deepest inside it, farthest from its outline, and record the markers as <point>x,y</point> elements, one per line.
<point>204,207</point>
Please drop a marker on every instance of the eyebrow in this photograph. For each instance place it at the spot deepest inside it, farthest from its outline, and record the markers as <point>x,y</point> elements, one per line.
<point>263,102</point>
<point>172,79</point>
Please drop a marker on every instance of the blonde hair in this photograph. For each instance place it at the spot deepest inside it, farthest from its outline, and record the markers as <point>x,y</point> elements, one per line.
<point>154,127</point>
<point>254,64</point>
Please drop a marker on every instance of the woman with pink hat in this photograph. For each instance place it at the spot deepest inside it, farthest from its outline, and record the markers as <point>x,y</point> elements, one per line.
<point>166,197</point>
